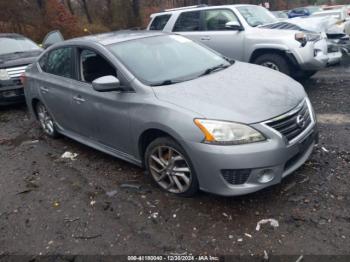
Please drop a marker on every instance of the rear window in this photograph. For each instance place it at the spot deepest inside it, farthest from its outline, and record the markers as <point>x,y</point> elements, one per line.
<point>188,21</point>
<point>159,22</point>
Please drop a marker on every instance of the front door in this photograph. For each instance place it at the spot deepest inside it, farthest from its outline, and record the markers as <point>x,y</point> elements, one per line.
<point>209,28</point>
<point>222,39</point>
<point>105,114</point>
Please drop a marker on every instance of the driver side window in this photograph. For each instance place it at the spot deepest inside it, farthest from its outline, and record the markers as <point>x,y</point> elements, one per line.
<point>216,20</point>
<point>93,66</point>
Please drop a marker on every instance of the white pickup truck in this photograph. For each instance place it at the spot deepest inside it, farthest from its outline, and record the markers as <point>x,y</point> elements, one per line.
<point>237,32</point>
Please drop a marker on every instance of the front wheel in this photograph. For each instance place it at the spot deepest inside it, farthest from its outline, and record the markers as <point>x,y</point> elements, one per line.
<point>304,75</point>
<point>275,62</point>
<point>170,168</point>
<point>46,121</point>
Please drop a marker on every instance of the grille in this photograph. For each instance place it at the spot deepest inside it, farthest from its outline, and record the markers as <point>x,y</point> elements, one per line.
<point>304,146</point>
<point>293,123</point>
<point>236,177</point>
<point>15,72</point>
<point>333,49</point>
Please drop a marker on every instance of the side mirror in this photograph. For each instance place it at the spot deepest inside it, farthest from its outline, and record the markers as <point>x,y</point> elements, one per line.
<point>234,25</point>
<point>106,84</point>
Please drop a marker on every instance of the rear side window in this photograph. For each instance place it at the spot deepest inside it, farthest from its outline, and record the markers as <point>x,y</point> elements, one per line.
<point>299,11</point>
<point>216,20</point>
<point>188,21</point>
<point>159,22</point>
<point>59,62</point>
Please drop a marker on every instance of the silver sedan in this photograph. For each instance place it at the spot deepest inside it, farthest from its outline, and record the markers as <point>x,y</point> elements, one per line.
<point>191,117</point>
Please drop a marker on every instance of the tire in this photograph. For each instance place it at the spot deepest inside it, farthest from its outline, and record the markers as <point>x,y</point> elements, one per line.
<point>46,121</point>
<point>275,62</point>
<point>304,75</point>
<point>163,158</point>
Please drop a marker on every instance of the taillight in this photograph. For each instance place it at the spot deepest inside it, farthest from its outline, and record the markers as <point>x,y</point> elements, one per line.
<point>23,79</point>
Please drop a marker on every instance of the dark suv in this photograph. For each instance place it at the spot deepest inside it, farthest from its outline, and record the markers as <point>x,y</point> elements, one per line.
<point>16,53</point>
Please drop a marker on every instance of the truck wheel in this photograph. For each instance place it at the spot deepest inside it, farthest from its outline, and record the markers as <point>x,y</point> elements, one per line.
<point>274,61</point>
<point>170,167</point>
<point>304,75</point>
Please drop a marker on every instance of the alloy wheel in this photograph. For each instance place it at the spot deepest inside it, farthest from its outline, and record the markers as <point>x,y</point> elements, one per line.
<point>271,65</point>
<point>45,120</point>
<point>170,169</point>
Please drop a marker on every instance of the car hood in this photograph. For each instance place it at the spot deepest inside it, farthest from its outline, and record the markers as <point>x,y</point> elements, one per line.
<point>15,59</point>
<point>243,93</point>
<point>309,24</point>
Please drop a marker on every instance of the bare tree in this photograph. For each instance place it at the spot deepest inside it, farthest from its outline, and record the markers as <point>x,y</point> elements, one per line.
<point>70,7</point>
<point>86,10</point>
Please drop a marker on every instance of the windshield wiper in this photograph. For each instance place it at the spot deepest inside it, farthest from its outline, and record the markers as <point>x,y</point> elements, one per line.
<point>231,61</point>
<point>214,68</point>
<point>166,83</point>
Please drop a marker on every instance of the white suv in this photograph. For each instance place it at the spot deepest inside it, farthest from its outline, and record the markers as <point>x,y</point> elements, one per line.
<point>236,32</point>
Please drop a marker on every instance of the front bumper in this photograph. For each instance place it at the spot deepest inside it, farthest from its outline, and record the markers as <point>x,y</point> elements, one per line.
<point>274,157</point>
<point>334,58</point>
<point>312,57</point>
<point>11,94</point>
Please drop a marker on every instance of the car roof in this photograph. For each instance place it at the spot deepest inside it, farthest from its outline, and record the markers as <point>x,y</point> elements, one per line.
<point>11,35</point>
<point>117,36</point>
<point>197,8</point>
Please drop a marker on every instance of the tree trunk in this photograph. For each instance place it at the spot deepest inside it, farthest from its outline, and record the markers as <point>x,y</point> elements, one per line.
<point>70,7</point>
<point>40,4</point>
<point>86,10</point>
<point>136,7</point>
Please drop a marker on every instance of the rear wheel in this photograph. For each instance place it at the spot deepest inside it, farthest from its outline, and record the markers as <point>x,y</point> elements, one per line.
<point>45,120</point>
<point>275,62</point>
<point>170,168</point>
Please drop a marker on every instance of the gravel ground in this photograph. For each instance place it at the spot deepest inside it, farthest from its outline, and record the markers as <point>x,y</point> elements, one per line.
<point>101,205</point>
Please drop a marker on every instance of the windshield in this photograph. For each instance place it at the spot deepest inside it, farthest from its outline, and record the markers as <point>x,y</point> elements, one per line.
<point>314,9</point>
<point>10,45</point>
<point>166,59</point>
<point>256,15</point>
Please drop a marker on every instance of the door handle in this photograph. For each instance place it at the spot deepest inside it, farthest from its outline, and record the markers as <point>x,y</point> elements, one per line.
<point>44,90</point>
<point>79,99</point>
<point>205,38</point>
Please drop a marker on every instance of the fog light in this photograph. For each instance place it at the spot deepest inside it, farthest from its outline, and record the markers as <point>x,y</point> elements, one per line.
<point>316,52</point>
<point>266,176</point>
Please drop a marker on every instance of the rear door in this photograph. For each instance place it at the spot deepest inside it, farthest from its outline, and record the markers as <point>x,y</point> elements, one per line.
<point>51,38</point>
<point>55,83</point>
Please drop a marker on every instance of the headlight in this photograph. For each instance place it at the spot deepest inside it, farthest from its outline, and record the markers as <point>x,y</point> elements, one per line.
<point>4,75</point>
<point>228,133</point>
<point>313,37</point>
<point>303,38</point>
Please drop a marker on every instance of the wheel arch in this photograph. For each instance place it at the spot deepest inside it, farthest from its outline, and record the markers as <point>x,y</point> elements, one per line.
<point>34,103</point>
<point>262,51</point>
<point>148,136</point>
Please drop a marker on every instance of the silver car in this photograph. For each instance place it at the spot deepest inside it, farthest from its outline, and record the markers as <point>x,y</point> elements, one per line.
<point>237,31</point>
<point>191,117</point>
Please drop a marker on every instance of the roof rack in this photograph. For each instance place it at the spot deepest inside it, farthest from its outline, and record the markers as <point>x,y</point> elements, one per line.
<point>185,7</point>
